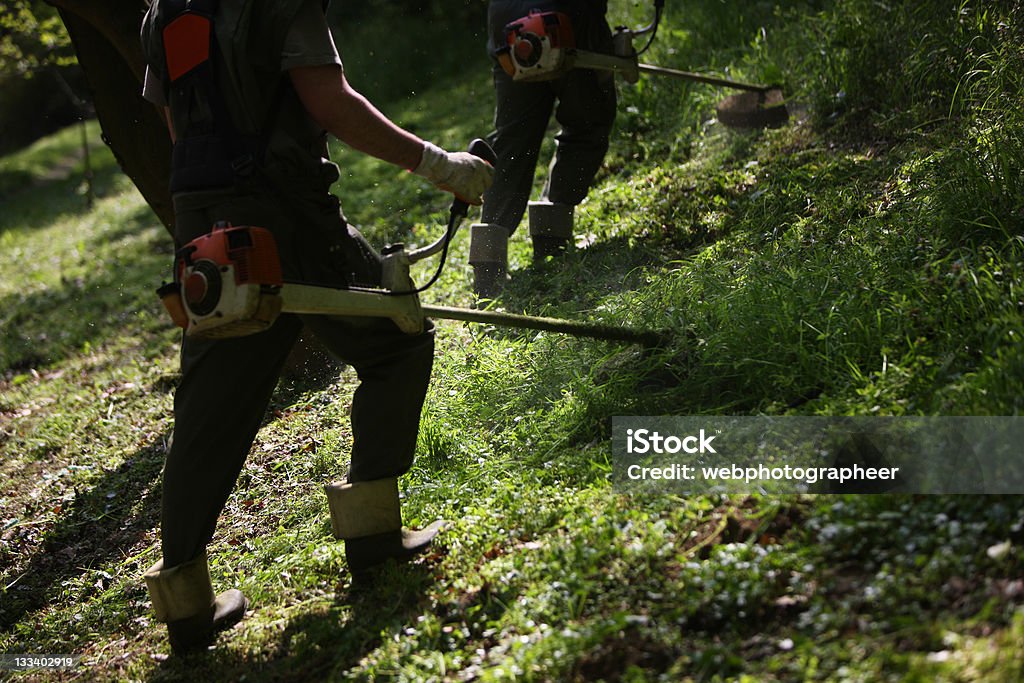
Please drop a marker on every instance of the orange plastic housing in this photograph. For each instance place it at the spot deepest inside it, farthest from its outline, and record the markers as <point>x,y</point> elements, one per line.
<point>251,250</point>
<point>555,26</point>
<point>537,45</point>
<point>186,44</point>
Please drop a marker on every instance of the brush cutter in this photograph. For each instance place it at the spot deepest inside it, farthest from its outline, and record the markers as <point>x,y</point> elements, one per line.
<point>229,283</point>
<point>541,46</point>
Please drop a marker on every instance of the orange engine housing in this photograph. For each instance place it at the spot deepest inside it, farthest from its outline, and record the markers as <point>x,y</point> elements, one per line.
<point>537,45</point>
<point>252,251</point>
<point>229,281</point>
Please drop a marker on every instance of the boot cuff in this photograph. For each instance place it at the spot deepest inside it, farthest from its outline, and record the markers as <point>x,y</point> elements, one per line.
<point>548,219</point>
<point>180,592</point>
<point>364,508</point>
<point>488,243</point>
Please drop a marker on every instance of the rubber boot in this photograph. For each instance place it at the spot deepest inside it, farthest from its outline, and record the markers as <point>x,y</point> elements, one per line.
<point>550,228</point>
<point>183,599</point>
<point>367,516</point>
<point>488,254</point>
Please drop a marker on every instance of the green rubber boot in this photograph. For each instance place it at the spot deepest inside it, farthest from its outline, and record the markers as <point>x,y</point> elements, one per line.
<point>183,599</point>
<point>367,516</point>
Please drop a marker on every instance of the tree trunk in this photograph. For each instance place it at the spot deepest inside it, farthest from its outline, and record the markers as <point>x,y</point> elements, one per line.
<point>105,35</point>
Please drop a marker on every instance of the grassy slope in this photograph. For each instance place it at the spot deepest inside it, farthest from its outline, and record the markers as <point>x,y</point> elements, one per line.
<point>865,259</point>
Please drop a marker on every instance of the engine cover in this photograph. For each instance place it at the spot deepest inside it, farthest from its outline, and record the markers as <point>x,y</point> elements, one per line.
<point>538,46</point>
<point>230,282</point>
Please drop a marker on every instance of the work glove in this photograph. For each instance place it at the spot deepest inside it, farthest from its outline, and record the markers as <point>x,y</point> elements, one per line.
<point>463,174</point>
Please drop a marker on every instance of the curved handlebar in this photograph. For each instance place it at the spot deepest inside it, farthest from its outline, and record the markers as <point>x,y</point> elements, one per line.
<point>460,208</point>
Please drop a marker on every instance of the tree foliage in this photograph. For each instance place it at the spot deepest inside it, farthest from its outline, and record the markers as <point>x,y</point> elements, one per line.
<point>43,87</point>
<point>32,37</point>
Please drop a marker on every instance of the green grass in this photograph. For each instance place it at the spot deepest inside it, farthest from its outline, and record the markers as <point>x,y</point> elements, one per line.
<point>866,259</point>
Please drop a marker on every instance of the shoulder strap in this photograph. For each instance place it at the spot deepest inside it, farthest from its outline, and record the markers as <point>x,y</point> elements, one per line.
<point>219,140</point>
<point>188,36</point>
<point>211,150</point>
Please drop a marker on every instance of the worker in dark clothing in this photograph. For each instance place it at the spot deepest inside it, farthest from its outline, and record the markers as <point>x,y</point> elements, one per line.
<point>583,102</point>
<point>249,88</point>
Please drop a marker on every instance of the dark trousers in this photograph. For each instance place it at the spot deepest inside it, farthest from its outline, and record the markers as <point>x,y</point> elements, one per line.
<point>226,384</point>
<point>583,103</point>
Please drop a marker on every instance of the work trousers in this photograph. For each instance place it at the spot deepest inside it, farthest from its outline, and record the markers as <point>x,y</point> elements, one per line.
<point>226,384</point>
<point>583,102</point>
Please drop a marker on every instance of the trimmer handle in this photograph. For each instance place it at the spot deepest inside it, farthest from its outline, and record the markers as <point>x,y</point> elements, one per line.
<point>478,148</point>
<point>459,209</point>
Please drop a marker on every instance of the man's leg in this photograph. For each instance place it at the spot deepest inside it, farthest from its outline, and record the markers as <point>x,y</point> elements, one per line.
<point>218,407</point>
<point>522,112</point>
<point>394,372</point>
<point>521,115</point>
<point>586,113</point>
<point>521,118</point>
<point>224,390</point>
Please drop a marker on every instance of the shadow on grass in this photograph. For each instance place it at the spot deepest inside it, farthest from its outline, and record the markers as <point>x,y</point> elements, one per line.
<point>323,644</point>
<point>585,281</point>
<point>102,525</point>
<point>309,368</point>
<point>40,202</point>
<point>52,324</point>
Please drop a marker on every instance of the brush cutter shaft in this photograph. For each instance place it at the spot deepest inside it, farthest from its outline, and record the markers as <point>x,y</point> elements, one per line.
<point>629,68</point>
<point>407,313</point>
<point>626,66</point>
<point>702,78</point>
<point>529,322</point>
<point>228,283</point>
<point>251,308</point>
<point>310,299</point>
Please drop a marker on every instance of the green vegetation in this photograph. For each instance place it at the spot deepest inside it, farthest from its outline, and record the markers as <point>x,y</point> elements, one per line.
<point>865,259</point>
<point>38,74</point>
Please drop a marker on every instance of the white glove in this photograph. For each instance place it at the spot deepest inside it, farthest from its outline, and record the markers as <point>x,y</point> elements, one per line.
<point>463,174</point>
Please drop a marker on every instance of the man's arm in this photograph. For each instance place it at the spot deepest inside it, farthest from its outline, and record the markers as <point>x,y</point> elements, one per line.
<point>165,112</point>
<point>342,111</point>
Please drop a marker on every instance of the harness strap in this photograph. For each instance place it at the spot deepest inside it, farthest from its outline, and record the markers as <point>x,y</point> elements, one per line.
<point>211,152</point>
<point>188,36</point>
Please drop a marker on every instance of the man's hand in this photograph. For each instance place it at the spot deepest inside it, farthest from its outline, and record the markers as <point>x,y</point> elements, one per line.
<point>463,174</point>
